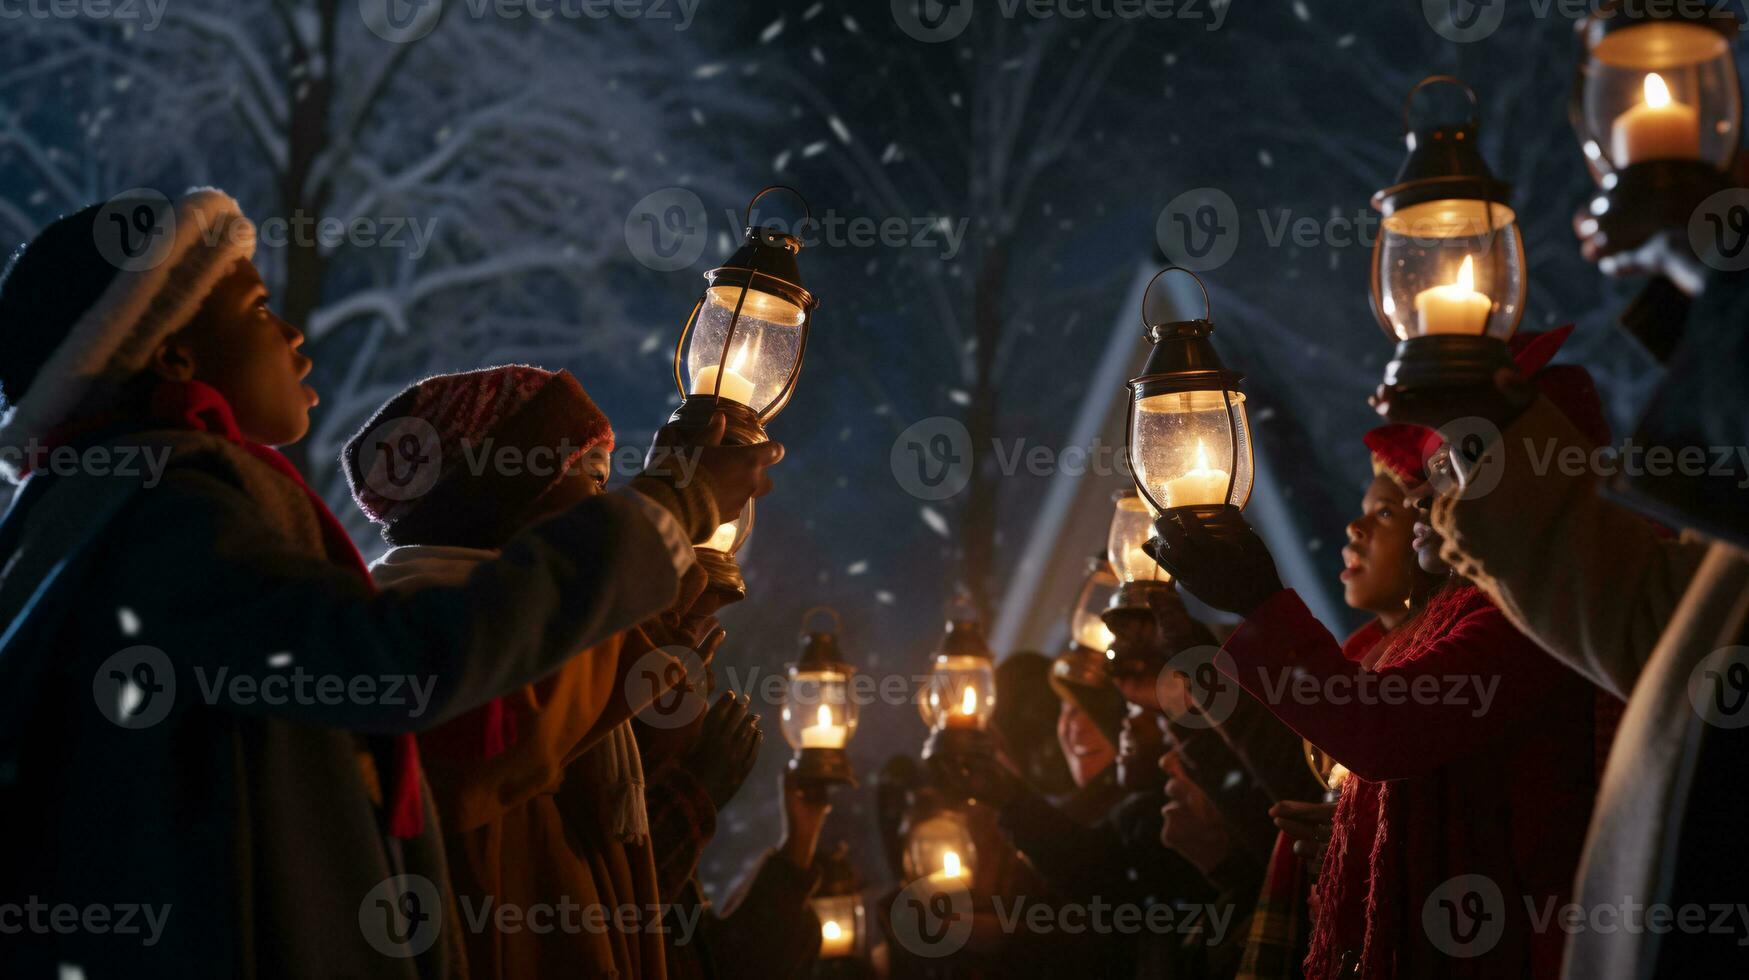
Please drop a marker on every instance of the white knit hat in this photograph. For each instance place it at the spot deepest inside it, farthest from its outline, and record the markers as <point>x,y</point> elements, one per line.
<point>116,337</point>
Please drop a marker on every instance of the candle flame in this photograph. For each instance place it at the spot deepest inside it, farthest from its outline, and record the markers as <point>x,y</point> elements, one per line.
<point>969,702</point>
<point>1202,456</point>
<point>950,864</point>
<point>1466,277</point>
<point>824,716</point>
<point>1657,93</point>
<point>740,359</point>
<point>831,930</point>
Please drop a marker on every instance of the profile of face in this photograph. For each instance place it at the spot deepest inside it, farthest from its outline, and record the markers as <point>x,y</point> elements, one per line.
<point>1139,745</point>
<point>1085,747</point>
<point>238,346</point>
<point>1378,562</point>
<point>585,477</point>
<point>1426,541</point>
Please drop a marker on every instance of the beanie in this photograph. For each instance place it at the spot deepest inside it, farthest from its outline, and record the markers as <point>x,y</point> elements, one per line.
<point>460,459</point>
<point>81,312</point>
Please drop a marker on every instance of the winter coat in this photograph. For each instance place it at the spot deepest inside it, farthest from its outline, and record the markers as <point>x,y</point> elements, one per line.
<point>541,895</point>
<point>1637,612</point>
<point>1480,768</point>
<point>249,810</point>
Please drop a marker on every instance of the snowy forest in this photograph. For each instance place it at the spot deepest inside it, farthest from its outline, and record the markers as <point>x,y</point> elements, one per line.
<point>1024,166</point>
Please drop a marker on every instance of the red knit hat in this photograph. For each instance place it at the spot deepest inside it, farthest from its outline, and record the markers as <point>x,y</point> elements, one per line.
<point>1403,449</point>
<point>430,467</point>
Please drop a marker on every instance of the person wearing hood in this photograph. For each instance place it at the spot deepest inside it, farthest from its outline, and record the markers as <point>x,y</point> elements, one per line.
<point>248,773</point>
<point>498,772</point>
<point>1461,820</point>
<point>1572,555</point>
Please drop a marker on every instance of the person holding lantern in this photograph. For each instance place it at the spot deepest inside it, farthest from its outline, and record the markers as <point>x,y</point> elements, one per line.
<point>1500,791</point>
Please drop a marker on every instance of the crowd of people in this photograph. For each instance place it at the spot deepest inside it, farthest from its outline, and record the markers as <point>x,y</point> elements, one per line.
<point>229,746</point>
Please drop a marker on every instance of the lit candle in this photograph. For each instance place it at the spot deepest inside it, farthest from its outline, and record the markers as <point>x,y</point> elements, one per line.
<point>736,387</point>
<point>825,733</point>
<point>950,865</point>
<point>1095,635</point>
<point>723,538</point>
<point>1454,308</point>
<point>1338,776</point>
<point>965,714</point>
<point>1202,485</point>
<point>1659,128</point>
<point>835,940</point>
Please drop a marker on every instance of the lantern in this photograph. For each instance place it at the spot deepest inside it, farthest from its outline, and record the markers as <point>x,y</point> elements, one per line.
<point>1189,440</point>
<point>1146,597</point>
<point>742,346</point>
<point>1330,773</point>
<point>1448,280</point>
<point>717,557</point>
<point>939,848</point>
<point>1087,629</point>
<point>819,716</point>
<point>961,693</point>
<point>1657,94</point>
<point>837,903</point>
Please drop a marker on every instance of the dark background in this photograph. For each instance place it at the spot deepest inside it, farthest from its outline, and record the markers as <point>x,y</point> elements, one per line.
<point>1057,141</point>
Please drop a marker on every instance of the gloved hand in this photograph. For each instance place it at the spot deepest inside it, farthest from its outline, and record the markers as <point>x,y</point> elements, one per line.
<point>1235,574</point>
<point>728,744</point>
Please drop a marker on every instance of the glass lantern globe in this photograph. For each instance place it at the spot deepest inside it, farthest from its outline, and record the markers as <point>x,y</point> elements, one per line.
<point>960,696</point>
<point>742,347</point>
<point>1189,436</point>
<point>717,556</point>
<point>1086,627</point>
<point>1132,524</point>
<point>1448,270</point>
<point>843,929</point>
<point>939,848</point>
<point>819,714</point>
<point>1657,85</point>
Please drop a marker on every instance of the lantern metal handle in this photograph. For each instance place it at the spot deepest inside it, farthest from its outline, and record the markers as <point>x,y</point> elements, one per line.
<point>1470,93</point>
<point>807,212</point>
<point>1207,309</point>
<point>837,620</point>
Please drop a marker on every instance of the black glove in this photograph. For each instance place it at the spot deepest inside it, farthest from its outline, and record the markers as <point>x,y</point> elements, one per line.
<point>727,746</point>
<point>1234,573</point>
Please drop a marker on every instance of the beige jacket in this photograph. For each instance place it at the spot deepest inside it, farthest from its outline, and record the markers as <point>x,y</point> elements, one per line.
<point>1602,590</point>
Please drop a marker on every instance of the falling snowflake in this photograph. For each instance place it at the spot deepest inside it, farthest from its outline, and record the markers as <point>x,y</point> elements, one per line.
<point>936,522</point>
<point>771,31</point>
<point>128,620</point>
<point>814,149</point>
<point>856,568</point>
<point>842,131</point>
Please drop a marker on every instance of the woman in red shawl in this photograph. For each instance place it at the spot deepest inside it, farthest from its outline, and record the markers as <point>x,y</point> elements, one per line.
<point>1473,757</point>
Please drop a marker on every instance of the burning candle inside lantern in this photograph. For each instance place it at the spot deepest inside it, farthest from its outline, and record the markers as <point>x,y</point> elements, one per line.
<point>1659,128</point>
<point>965,714</point>
<point>825,733</point>
<point>1456,307</point>
<point>1202,485</point>
<point>835,940</point>
<point>735,386</point>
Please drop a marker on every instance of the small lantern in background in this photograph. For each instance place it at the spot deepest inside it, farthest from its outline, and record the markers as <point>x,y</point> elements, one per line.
<point>1146,615</point>
<point>1448,280</point>
<point>837,903</point>
<point>1657,95</point>
<point>717,557</point>
<point>742,346</point>
<point>961,694</point>
<point>1087,627</point>
<point>819,715</point>
<point>939,848</point>
<point>1189,438</point>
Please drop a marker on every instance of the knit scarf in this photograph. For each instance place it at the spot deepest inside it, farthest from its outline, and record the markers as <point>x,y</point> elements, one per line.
<point>1365,884</point>
<point>199,407</point>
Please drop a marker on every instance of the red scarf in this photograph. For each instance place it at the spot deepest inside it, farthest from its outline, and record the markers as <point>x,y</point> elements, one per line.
<point>199,407</point>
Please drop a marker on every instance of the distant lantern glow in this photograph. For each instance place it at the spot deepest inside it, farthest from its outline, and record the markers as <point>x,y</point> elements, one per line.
<point>950,864</point>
